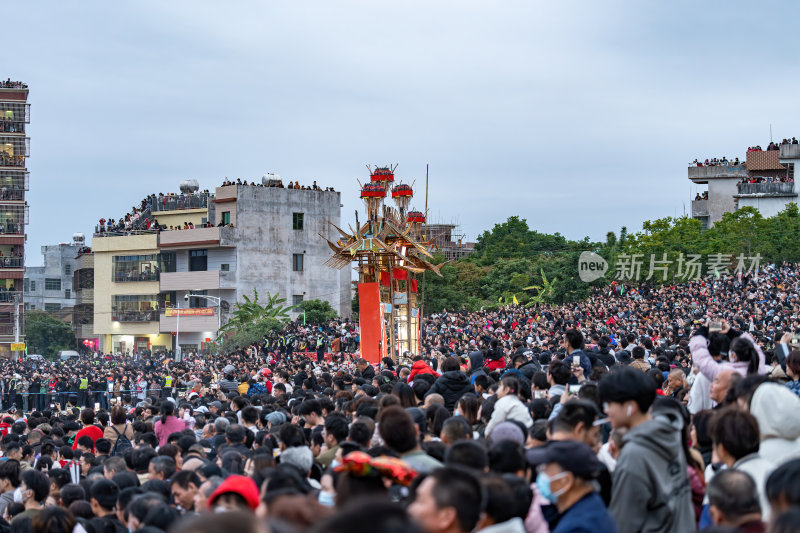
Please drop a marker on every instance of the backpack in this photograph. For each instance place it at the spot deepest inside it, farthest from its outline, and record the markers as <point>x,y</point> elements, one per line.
<point>123,443</point>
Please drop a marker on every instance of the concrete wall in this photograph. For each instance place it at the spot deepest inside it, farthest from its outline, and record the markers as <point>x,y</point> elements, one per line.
<point>720,197</point>
<point>266,242</point>
<point>768,206</point>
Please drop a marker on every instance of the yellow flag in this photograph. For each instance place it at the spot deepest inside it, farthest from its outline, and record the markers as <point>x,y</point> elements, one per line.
<point>515,300</point>
<point>500,300</point>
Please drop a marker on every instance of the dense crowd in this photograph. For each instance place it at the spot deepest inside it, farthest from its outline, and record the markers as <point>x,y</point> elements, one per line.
<point>643,408</point>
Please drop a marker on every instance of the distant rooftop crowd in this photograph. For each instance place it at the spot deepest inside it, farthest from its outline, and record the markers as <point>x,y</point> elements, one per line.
<point>8,84</point>
<point>277,183</point>
<point>714,162</point>
<point>773,145</point>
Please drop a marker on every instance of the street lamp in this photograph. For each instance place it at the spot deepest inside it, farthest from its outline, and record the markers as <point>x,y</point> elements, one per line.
<point>214,299</point>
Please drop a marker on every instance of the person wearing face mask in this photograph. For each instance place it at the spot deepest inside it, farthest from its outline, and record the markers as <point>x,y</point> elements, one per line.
<point>33,489</point>
<point>566,477</point>
<point>9,481</point>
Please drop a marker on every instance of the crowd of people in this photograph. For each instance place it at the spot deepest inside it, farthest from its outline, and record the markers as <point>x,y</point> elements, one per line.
<point>703,196</point>
<point>278,183</point>
<point>773,145</point>
<point>8,84</point>
<point>669,408</point>
<point>715,162</point>
<point>767,179</point>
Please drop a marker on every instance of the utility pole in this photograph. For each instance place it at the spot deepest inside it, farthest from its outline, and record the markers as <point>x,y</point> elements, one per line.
<point>177,331</point>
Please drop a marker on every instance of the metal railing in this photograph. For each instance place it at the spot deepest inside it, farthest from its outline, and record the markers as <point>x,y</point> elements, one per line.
<point>768,188</point>
<point>12,262</point>
<point>7,297</point>
<point>122,277</point>
<point>100,231</point>
<point>177,202</point>
<point>134,316</point>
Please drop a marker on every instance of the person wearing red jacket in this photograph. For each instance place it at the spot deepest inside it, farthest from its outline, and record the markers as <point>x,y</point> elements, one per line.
<point>420,367</point>
<point>94,432</point>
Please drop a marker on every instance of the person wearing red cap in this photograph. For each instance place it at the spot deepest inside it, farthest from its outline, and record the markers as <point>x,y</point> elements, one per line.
<point>236,493</point>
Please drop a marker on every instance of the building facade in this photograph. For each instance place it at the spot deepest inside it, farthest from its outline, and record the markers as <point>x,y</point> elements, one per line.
<point>156,290</point>
<point>14,179</point>
<point>765,181</point>
<point>49,287</point>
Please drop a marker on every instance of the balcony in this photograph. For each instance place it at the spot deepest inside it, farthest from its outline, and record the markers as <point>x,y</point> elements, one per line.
<point>699,208</point>
<point>12,262</point>
<point>189,281</point>
<point>15,113</point>
<point>188,324</point>
<point>7,297</point>
<point>703,174</point>
<point>179,202</point>
<point>196,237</point>
<point>766,189</point>
<point>790,151</point>
<point>17,180</point>
<point>134,316</point>
<point>125,277</point>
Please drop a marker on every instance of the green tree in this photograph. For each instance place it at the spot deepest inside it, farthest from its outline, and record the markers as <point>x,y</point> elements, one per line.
<point>46,334</point>
<point>251,312</point>
<point>318,311</point>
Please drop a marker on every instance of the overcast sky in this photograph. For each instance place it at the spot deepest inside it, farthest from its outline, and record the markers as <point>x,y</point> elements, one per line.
<point>579,116</point>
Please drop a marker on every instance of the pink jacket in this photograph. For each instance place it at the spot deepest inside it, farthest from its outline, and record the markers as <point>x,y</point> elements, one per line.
<point>164,429</point>
<point>703,360</point>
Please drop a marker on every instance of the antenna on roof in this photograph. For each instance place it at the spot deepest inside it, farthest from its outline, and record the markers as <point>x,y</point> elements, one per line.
<point>770,133</point>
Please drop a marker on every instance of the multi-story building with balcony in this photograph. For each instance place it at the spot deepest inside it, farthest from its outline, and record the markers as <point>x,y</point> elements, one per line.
<point>764,181</point>
<point>14,151</point>
<point>127,264</point>
<point>156,290</point>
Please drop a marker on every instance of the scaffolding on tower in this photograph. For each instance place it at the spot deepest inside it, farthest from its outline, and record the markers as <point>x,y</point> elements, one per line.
<point>390,254</point>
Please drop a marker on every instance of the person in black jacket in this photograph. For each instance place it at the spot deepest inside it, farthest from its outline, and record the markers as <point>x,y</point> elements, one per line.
<point>452,384</point>
<point>367,372</point>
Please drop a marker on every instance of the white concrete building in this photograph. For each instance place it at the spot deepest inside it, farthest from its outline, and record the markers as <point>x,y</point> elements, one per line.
<point>264,238</point>
<point>49,287</point>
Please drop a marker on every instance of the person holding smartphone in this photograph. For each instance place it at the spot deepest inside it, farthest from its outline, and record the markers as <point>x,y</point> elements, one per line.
<point>573,343</point>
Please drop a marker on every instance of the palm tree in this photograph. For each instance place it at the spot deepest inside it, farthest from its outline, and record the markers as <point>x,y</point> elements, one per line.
<point>251,312</point>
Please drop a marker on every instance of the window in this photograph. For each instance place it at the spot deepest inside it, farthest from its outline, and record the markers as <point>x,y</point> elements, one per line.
<point>135,308</point>
<point>67,294</point>
<point>33,286</point>
<point>67,269</point>
<point>790,171</point>
<point>225,267</point>
<point>226,218</point>
<point>198,260</point>
<point>168,261</point>
<point>198,302</point>
<point>26,286</point>
<point>297,220</point>
<point>297,299</point>
<point>135,268</point>
<point>50,308</point>
<point>52,284</point>
<point>297,262</point>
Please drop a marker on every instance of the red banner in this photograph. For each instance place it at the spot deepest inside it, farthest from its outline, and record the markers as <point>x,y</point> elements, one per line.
<point>370,318</point>
<point>195,311</point>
